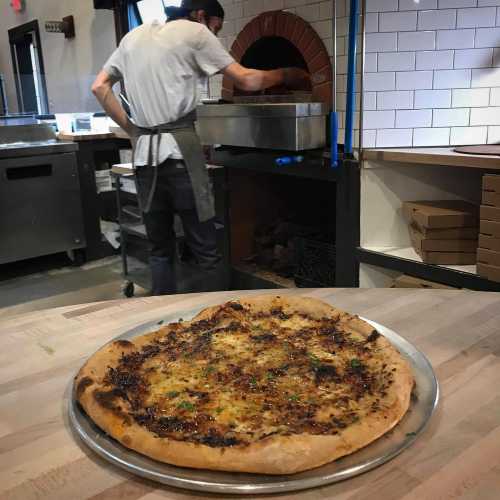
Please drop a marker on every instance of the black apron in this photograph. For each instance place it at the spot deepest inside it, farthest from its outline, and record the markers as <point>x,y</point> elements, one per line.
<point>189,143</point>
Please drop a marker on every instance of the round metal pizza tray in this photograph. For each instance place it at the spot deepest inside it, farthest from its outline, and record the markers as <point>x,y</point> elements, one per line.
<point>422,407</point>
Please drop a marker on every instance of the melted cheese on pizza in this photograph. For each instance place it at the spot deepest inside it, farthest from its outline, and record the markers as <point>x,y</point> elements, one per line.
<point>239,377</point>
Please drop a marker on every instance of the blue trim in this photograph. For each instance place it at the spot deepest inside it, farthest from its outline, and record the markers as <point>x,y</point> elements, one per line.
<point>334,138</point>
<point>351,77</point>
<point>134,16</point>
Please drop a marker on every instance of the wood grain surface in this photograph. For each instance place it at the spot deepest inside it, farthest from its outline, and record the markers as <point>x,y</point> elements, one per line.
<point>84,136</point>
<point>458,456</point>
<point>433,156</point>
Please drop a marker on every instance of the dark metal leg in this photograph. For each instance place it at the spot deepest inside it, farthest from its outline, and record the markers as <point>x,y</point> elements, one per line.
<point>348,213</point>
<point>123,237</point>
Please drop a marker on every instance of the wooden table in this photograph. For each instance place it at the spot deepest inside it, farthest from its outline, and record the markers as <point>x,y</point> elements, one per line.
<point>457,457</point>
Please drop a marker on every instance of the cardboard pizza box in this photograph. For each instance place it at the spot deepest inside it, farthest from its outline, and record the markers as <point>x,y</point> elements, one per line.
<point>491,273</point>
<point>420,243</point>
<point>489,257</point>
<point>490,228</point>
<point>491,183</point>
<point>491,198</point>
<point>405,281</point>
<point>490,213</point>
<point>450,233</point>
<point>489,242</point>
<point>441,214</point>
<point>448,258</point>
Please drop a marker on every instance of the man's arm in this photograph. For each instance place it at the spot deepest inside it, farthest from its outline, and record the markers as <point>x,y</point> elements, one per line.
<point>102,88</point>
<point>253,79</point>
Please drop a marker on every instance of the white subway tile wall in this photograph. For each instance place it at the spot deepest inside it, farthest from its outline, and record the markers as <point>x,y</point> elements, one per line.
<point>432,99</point>
<point>455,39</point>
<point>450,117</point>
<point>432,67</point>
<point>413,118</point>
<point>399,99</point>
<point>393,137</point>
<point>468,135</point>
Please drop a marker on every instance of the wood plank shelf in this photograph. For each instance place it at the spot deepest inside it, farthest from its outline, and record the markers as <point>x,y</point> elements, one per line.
<point>446,157</point>
<point>405,260</point>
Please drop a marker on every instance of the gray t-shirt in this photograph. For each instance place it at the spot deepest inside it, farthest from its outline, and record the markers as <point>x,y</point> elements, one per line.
<point>163,66</point>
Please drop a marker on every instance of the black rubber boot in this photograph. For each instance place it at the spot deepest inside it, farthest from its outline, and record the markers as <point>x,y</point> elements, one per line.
<point>162,276</point>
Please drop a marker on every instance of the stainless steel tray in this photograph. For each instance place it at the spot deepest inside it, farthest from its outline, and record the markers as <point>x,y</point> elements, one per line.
<point>377,453</point>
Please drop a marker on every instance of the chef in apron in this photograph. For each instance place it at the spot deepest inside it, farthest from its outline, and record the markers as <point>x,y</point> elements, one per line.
<point>163,66</point>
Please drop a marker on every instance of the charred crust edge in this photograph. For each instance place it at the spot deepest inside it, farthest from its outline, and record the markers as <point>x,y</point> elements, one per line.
<point>82,386</point>
<point>123,343</point>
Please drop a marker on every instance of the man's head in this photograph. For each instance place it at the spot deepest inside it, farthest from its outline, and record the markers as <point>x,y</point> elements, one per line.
<point>208,12</point>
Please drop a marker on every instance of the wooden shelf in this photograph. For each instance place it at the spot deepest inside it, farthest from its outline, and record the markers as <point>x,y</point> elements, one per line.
<point>433,156</point>
<point>406,261</point>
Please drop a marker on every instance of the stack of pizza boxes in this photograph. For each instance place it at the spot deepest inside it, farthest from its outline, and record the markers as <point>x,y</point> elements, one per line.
<point>488,253</point>
<point>443,232</point>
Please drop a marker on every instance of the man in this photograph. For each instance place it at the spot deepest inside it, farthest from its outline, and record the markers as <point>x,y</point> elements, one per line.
<point>163,66</point>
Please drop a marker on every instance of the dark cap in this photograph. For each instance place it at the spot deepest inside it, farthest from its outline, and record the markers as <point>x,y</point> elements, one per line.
<point>212,7</point>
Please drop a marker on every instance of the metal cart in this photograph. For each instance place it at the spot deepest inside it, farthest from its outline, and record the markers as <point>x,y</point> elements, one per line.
<point>134,243</point>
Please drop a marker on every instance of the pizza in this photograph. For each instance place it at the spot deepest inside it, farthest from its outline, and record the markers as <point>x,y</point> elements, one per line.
<point>265,384</point>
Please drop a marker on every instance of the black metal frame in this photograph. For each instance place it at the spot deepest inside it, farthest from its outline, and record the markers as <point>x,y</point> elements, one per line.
<point>348,217</point>
<point>16,33</point>
<point>439,274</point>
<point>315,166</point>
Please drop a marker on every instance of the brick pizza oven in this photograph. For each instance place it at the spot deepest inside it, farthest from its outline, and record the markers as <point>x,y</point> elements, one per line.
<point>278,39</point>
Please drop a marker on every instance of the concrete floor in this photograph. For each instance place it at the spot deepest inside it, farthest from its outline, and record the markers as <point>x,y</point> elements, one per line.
<point>52,282</point>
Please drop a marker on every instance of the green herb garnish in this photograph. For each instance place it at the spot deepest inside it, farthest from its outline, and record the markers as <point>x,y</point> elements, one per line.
<point>293,397</point>
<point>253,381</point>
<point>208,370</point>
<point>173,394</point>
<point>315,362</point>
<point>219,410</point>
<point>355,363</point>
<point>270,376</point>
<point>186,405</point>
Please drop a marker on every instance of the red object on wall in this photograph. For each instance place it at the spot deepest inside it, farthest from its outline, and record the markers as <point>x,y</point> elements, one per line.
<point>17,5</point>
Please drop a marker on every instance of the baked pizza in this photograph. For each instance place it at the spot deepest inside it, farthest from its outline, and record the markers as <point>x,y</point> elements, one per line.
<point>265,384</point>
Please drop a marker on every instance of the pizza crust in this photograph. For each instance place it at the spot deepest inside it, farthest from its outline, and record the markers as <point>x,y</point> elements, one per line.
<point>271,455</point>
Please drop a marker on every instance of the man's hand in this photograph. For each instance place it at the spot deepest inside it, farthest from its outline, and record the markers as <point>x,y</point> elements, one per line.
<point>296,79</point>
